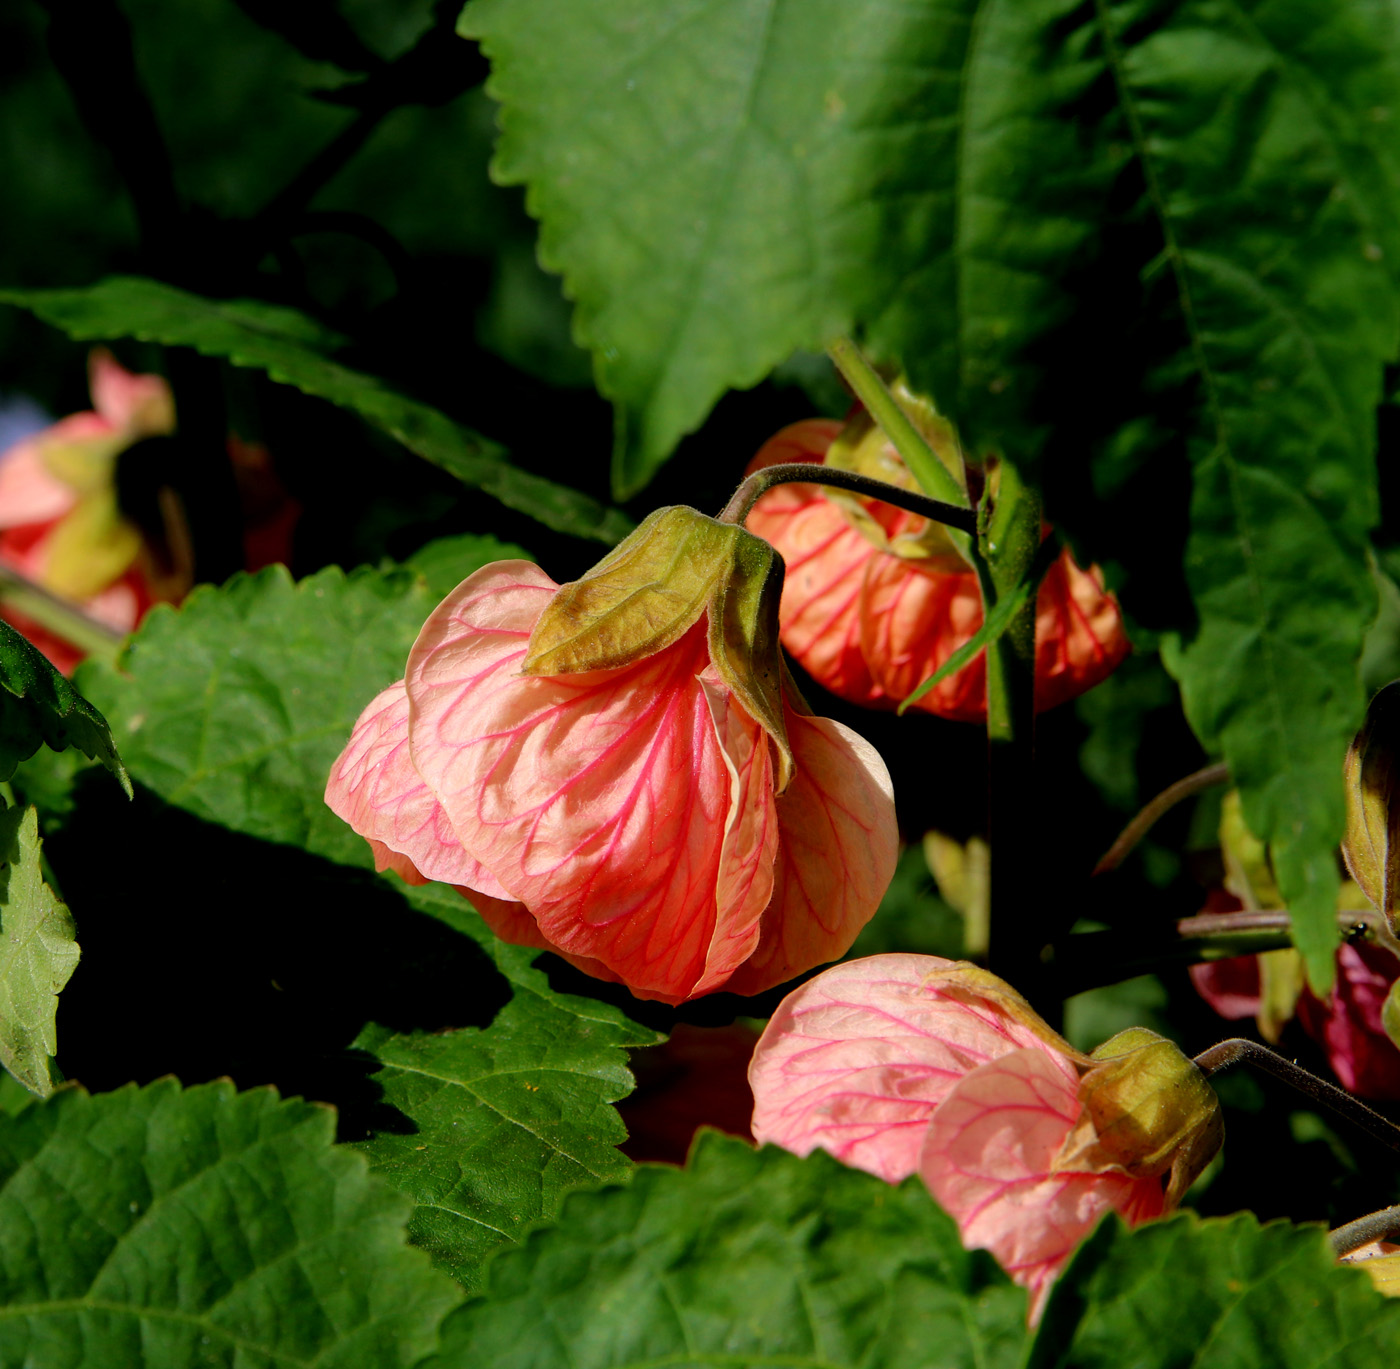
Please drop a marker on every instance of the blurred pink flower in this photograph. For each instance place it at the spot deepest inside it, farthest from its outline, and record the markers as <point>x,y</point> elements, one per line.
<point>904,1064</point>
<point>626,818</point>
<point>1347,1025</point>
<point>59,521</point>
<point>871,624</point>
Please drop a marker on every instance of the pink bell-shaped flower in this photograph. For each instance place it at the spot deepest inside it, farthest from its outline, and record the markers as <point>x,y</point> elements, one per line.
<point>911,1064</point>
<point>872,605</point>
<point>614,769</point>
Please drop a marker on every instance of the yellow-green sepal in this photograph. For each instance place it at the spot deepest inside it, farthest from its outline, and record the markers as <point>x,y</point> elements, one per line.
<point>652,589</point>
<point>645,594</point>
<point>1148,1110</point>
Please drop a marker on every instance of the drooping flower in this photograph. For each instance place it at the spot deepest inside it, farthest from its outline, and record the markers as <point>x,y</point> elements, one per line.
<point>615,770</point>
<point>876,599</point>
<point>904,1064</point>
<point>60,523</point>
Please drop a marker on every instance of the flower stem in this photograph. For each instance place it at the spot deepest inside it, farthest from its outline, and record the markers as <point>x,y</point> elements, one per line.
<point>882,406</point>
<point>59,616</point>
<point>1239,1051</point>
<point>809,473</point>
<point>1375,1226</point>
<point>1169,797</point>
<point>1006,556</point>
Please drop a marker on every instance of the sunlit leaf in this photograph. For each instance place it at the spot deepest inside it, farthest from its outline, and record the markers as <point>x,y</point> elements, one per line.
<point>168,1228</point>
<point>38,953</point>
<point>745,1258</point>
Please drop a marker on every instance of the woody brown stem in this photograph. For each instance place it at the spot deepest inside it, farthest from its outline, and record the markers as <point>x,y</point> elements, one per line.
<point>809,473</point>
<point>1239,1051</point>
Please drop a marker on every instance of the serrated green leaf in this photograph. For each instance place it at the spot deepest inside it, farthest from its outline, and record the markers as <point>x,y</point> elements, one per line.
<point>286,345</point>
<point>508,1120</point>
<point>744,1258</point>
<point>1220,1294</point>
<point>39,707</point>
<point>1274,239</point>
<point>235,707</point>
<point>171,1228</point>
<point>723,182</point>
<point>38,953</point>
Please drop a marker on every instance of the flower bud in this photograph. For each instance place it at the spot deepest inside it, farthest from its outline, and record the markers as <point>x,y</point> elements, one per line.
<point>652,588</point>
<point>1147,1110</point>
<point>1373,815</point>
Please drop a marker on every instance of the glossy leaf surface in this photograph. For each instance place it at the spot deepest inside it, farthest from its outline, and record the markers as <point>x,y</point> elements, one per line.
<point>39,707</point>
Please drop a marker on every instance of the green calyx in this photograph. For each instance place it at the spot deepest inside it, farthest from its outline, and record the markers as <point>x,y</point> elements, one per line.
<point>651,589</point>
<point>1148,1110</point>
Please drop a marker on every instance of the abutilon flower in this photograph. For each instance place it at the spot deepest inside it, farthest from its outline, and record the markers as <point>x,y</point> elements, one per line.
<point>62,527</point>
<point>877,599</point>
<point>60,524</point>
<point>911,1064</point>
<point>616,770</point>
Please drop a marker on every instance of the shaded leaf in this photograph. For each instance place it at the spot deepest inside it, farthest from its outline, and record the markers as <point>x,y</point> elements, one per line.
<point>168,1227</point>
<point>39,707</point>
<point>744,1258</point>
<point>288,346</point>
<point>1216,1294</point>
<point>235,707</point>
<point>38,953</point>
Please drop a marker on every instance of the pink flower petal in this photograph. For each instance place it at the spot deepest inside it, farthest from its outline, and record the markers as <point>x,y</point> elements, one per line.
<point>912,620</point>
<point>744,882</point>
<point>839,844</point>
<point>139,405</point>
<point>600,800</point>
<point>28,493</point>
<point>855,1061</point>
<point>989,1159</point>
<point>825,558</point>
<point>1079,637</point>
<point>1230,986</point>
<point>1348,1026</point>
<point>375,788</point>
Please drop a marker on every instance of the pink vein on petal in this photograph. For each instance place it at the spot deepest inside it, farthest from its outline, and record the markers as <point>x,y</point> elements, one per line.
<point>600,799</point>
<point>989,1160</point>
<point>836,856</point>
<point>856,1060</point>
<point>375,788</point>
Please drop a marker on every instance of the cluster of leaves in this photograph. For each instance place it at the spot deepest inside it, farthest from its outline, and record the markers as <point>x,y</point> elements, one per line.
<point>1146,250</point>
